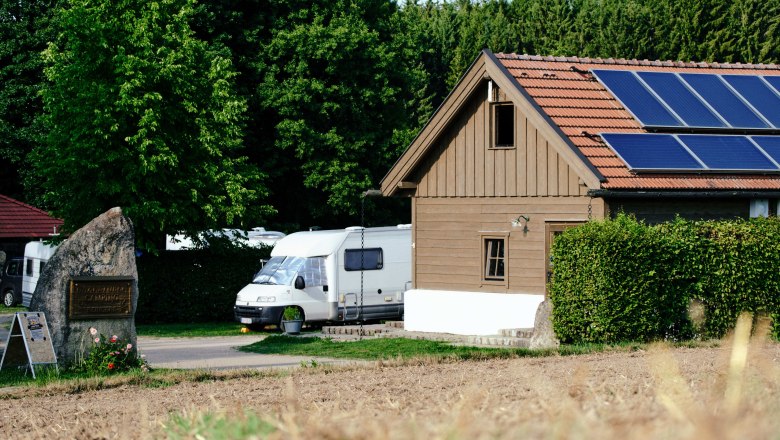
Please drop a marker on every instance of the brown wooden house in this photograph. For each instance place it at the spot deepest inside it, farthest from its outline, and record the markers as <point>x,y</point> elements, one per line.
<point>515,154</point>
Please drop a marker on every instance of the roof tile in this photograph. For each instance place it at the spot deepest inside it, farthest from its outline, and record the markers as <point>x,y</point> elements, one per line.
<point>566,91</point>
<point>20,220</point>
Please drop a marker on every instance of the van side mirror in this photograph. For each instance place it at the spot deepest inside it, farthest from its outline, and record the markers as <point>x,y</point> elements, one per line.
<point>299,283</point>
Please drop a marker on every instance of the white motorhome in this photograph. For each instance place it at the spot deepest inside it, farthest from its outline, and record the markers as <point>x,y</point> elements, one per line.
<point>257,237</point>
<point>319,272</point>
<point>36,255</point>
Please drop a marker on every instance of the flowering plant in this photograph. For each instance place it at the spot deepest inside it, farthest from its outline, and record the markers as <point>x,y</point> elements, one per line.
<point>110,355</point>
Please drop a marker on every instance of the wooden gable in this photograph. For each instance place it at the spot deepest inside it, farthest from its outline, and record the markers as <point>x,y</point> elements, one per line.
<point>452,155</point>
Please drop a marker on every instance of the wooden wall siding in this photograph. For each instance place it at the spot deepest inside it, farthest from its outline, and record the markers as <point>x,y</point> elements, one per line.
<point>447,249</point>
<point>463,165</point>
<point>656,211</point>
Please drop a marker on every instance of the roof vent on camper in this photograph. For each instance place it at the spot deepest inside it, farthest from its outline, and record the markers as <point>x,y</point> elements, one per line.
<point>353,228</point>
<point>408,226</point>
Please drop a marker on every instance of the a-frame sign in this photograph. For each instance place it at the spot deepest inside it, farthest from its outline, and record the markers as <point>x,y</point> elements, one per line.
<point>29,343</point>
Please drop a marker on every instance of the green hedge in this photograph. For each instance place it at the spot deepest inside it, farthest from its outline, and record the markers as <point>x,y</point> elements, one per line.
<point>194,286</point>
<point>621,280</point>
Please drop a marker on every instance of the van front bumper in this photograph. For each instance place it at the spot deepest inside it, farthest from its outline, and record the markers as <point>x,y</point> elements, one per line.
<point>258,315</point>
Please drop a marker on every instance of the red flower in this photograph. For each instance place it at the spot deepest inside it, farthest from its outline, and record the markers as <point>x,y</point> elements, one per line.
<point>110,365</point>
<point>113,338</point>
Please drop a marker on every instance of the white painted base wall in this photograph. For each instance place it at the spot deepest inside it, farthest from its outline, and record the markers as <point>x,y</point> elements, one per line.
<point>468,313</point>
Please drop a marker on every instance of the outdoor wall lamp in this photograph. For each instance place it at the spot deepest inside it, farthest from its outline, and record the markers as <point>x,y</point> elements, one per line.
<point>521,222</point>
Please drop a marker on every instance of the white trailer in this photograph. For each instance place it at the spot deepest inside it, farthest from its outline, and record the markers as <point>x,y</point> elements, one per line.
<point>36,255</point>
<point>319,272</point>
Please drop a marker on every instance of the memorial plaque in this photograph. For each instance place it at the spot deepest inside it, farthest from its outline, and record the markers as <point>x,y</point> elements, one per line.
<point>100,297</point>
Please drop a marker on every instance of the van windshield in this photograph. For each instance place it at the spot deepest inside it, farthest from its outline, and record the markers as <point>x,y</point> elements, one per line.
<point>279,270</point>
<point>282,271</point>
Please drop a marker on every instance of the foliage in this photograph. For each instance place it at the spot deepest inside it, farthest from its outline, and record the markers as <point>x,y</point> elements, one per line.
<point>109,356</point>
<point>334,81</point>
<point>732,267</point>
<point>194,286</point>
<point>25,29</point>
<point>614,281</point>
<point>147,113</point>
<point>623,280</point>
<point>291,314</point>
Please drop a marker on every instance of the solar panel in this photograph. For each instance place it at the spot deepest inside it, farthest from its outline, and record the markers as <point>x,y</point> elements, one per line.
<point>650,152</point>
<point>762,97</point>
<point>770,144</point>
<point>723,100</point>
<point>655,152</point>
<point>677,96</point>
<point>774,81</point>
<point>637,99</point>
<point>695,100</point>
<point>727,153</point>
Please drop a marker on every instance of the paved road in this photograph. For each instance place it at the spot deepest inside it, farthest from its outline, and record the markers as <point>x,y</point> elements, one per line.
<point>202,353</point>
<point>216,352</point>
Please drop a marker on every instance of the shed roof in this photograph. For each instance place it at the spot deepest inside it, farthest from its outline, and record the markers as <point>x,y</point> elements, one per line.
<point>20,220</point>
<point>567,92</point>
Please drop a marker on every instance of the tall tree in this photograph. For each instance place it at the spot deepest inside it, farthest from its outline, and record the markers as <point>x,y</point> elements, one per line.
<point>143,115</point>
<point>25,30</point>
<point>337,87</point>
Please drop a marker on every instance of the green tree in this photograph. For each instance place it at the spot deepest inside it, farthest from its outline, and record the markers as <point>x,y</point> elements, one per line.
<point>143,115</point>
<point>25,29</point>
<point>336,84</point>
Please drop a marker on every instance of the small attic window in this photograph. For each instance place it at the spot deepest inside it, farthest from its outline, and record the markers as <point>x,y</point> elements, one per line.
<point>503,125</point>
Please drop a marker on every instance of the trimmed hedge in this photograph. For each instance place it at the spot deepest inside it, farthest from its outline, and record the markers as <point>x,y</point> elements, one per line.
<point>622,280</point>
<point>194,285</point>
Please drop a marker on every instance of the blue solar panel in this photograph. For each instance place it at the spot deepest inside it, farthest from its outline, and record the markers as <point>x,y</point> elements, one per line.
<point>723,100</point>
<point>644,151</point>
<point>687,106</point>
<point>774,81</point>
<point>770,144</point>
<point>729,153</point>
<point>637,99</point>
<point>758,94</point>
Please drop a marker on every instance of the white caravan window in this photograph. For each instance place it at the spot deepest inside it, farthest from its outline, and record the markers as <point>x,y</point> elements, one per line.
<point>372,259</point>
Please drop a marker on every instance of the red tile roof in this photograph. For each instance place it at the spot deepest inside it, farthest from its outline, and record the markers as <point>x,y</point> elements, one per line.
<point>20,220</point>
<point>568,93</point>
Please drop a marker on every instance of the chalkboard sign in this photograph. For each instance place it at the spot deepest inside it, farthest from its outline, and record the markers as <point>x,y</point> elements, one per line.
<point>29,342</point>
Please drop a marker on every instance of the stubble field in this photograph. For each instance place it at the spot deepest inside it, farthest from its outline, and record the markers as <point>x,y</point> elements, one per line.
<point>660,392</point>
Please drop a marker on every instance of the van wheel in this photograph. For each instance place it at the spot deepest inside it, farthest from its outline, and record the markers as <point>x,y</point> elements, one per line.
<point>8,298</point>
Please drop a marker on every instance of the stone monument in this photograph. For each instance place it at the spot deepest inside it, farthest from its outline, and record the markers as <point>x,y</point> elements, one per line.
<point>544,335</point>
<point>90,281</point>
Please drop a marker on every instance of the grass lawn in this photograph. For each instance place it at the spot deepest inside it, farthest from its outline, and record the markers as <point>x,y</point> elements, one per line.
<point>11,310</point>
<point>188,330</point>
<point>392,348</point>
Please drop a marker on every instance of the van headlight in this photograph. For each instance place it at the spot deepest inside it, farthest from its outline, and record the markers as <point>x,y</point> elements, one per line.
<point>266,299</point>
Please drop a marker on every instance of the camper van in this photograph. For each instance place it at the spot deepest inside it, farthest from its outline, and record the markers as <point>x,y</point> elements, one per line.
<point>319,272</point>
<point>36,255</point>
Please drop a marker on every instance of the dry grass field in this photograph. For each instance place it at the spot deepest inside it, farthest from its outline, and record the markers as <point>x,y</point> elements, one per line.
<point>728,390</point>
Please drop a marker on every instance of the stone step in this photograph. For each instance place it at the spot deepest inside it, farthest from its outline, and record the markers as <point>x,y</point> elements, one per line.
<point>354,330</point>
<point>394,324</point>
<point>516,332</point>
<point>499,341</point>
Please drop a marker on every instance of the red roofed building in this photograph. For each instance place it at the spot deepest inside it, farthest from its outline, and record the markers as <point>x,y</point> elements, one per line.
<point>515,154</point>
<point>21,223</point>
